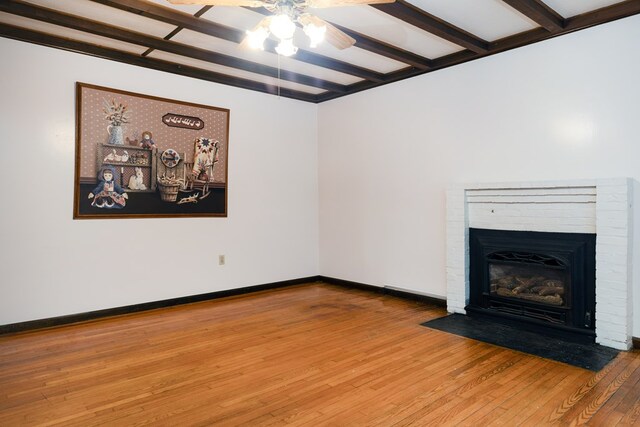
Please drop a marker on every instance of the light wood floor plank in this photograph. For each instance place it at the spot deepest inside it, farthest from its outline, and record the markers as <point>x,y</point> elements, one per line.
<point>306,355</point>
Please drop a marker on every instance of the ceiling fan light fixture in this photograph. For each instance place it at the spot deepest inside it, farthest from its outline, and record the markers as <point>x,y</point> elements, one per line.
<point>255,39</point>
<point>282,27</point>
<point>315,33</point>
<point>286,47</point>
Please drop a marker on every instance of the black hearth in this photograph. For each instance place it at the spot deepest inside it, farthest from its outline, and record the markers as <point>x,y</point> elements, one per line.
<point>542,279</point>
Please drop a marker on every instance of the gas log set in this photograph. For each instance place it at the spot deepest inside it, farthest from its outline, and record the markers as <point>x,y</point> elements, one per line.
<point>539,289</point>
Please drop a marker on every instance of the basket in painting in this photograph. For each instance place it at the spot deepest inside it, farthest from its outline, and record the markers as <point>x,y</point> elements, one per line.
<point>168,192</point>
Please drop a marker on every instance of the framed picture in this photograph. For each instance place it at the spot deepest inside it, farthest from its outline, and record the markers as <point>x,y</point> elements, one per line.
<point>141,156</point>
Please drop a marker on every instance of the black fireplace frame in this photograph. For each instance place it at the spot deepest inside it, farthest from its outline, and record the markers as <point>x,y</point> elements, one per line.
<point>575,251</point>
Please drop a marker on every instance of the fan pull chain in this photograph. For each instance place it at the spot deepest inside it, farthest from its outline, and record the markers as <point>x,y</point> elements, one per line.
<point>278,76</point>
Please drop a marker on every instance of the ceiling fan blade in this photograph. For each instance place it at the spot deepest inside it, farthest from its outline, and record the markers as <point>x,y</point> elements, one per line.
<point>318,4</point>
<point>337,38</point>
<point>248,3</point>
<point>333,36</point>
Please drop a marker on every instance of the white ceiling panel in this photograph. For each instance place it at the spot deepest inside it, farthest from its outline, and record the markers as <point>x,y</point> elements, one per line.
<point>204,41</point>
<point>488,19</point>
<point>361,58</point>
<point>109,15</point>
<point>191,9</point>
<point>384,27</point>
<point>43,27</point>
<point>236,17</point>
<point>569,8</point>
<point>233,72</point>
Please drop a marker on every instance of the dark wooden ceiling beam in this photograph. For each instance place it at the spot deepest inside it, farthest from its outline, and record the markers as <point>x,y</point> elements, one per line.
<point>427,22</point>
<point>330,63</point>
<point>605,14</point>
<point>184,20</point>
<point>93,27</point>
<point>538,12</point>
<point>48,40</point>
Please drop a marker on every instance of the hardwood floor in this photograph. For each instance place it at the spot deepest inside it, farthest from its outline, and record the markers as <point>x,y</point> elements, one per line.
<point>304,355</point>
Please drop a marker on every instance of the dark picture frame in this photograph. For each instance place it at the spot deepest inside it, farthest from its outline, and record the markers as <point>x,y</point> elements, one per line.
<point>143,156</point>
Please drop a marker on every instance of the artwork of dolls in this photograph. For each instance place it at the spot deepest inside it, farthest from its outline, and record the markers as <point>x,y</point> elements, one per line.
<point>147,141</point>
<point>108,194</point>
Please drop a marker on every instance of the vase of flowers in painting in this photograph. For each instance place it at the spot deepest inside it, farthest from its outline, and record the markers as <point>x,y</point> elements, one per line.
<point>115,135</point>
<point>117,115</point>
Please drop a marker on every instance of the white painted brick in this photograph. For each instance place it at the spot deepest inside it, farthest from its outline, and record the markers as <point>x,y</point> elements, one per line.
<point>619,336</point>
<point>606,247</point>
<point>622,232</point>
<point>605,188</point>
<point>606,332</point>
<point>607,208</point>
<point>610,329</point>
<point>608,257</point>
<point>615,270</point>
<point>612,240</point>
<point>613,319</point>
<point>612,289</point>
<point>608,197</point>
<point>611,336</point>
<point>610,308</point>
<point>612,271</point>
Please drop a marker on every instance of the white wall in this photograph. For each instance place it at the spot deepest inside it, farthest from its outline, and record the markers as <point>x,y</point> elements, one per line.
<point>567,108</point>
<point>52,265</point>
<point>562,109</point>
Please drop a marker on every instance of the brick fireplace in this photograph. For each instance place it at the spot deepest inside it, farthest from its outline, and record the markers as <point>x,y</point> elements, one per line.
<point>596,207</point>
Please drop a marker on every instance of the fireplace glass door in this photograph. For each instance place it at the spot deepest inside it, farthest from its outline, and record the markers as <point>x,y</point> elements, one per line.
<point>542,278</point>
<point>530,277</point>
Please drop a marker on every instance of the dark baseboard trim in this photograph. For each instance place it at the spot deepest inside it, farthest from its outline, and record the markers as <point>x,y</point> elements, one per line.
<point>349,284</point>
<point>109,312</point>
<point>636,343</point>
<point>385,291</point>
<point>116,311</point>
<point>416,297</point>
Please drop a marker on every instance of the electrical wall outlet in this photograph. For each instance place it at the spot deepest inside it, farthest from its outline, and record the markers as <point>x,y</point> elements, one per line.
<point>221,260</point>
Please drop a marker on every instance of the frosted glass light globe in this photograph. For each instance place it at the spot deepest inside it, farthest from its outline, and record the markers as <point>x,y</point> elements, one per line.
<point>255,39</point>
<point>315,33</point>
<point>286,48</point>
<point>282,27</point>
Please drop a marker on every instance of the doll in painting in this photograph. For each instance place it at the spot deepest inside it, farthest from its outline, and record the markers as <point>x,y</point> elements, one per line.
<point>108,194</point>
<point>147,142</point>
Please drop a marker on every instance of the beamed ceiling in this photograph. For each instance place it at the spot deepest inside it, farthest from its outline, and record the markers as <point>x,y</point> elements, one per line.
<point>394,41</point>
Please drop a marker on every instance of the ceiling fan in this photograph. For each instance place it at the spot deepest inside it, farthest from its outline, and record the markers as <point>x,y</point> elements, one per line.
<point>282,24</point>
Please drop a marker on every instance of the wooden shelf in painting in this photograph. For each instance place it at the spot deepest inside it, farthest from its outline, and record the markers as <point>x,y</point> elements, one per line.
<point>108,154</point>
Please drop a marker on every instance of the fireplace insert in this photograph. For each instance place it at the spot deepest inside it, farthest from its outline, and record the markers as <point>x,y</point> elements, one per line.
<point>544,279</point>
